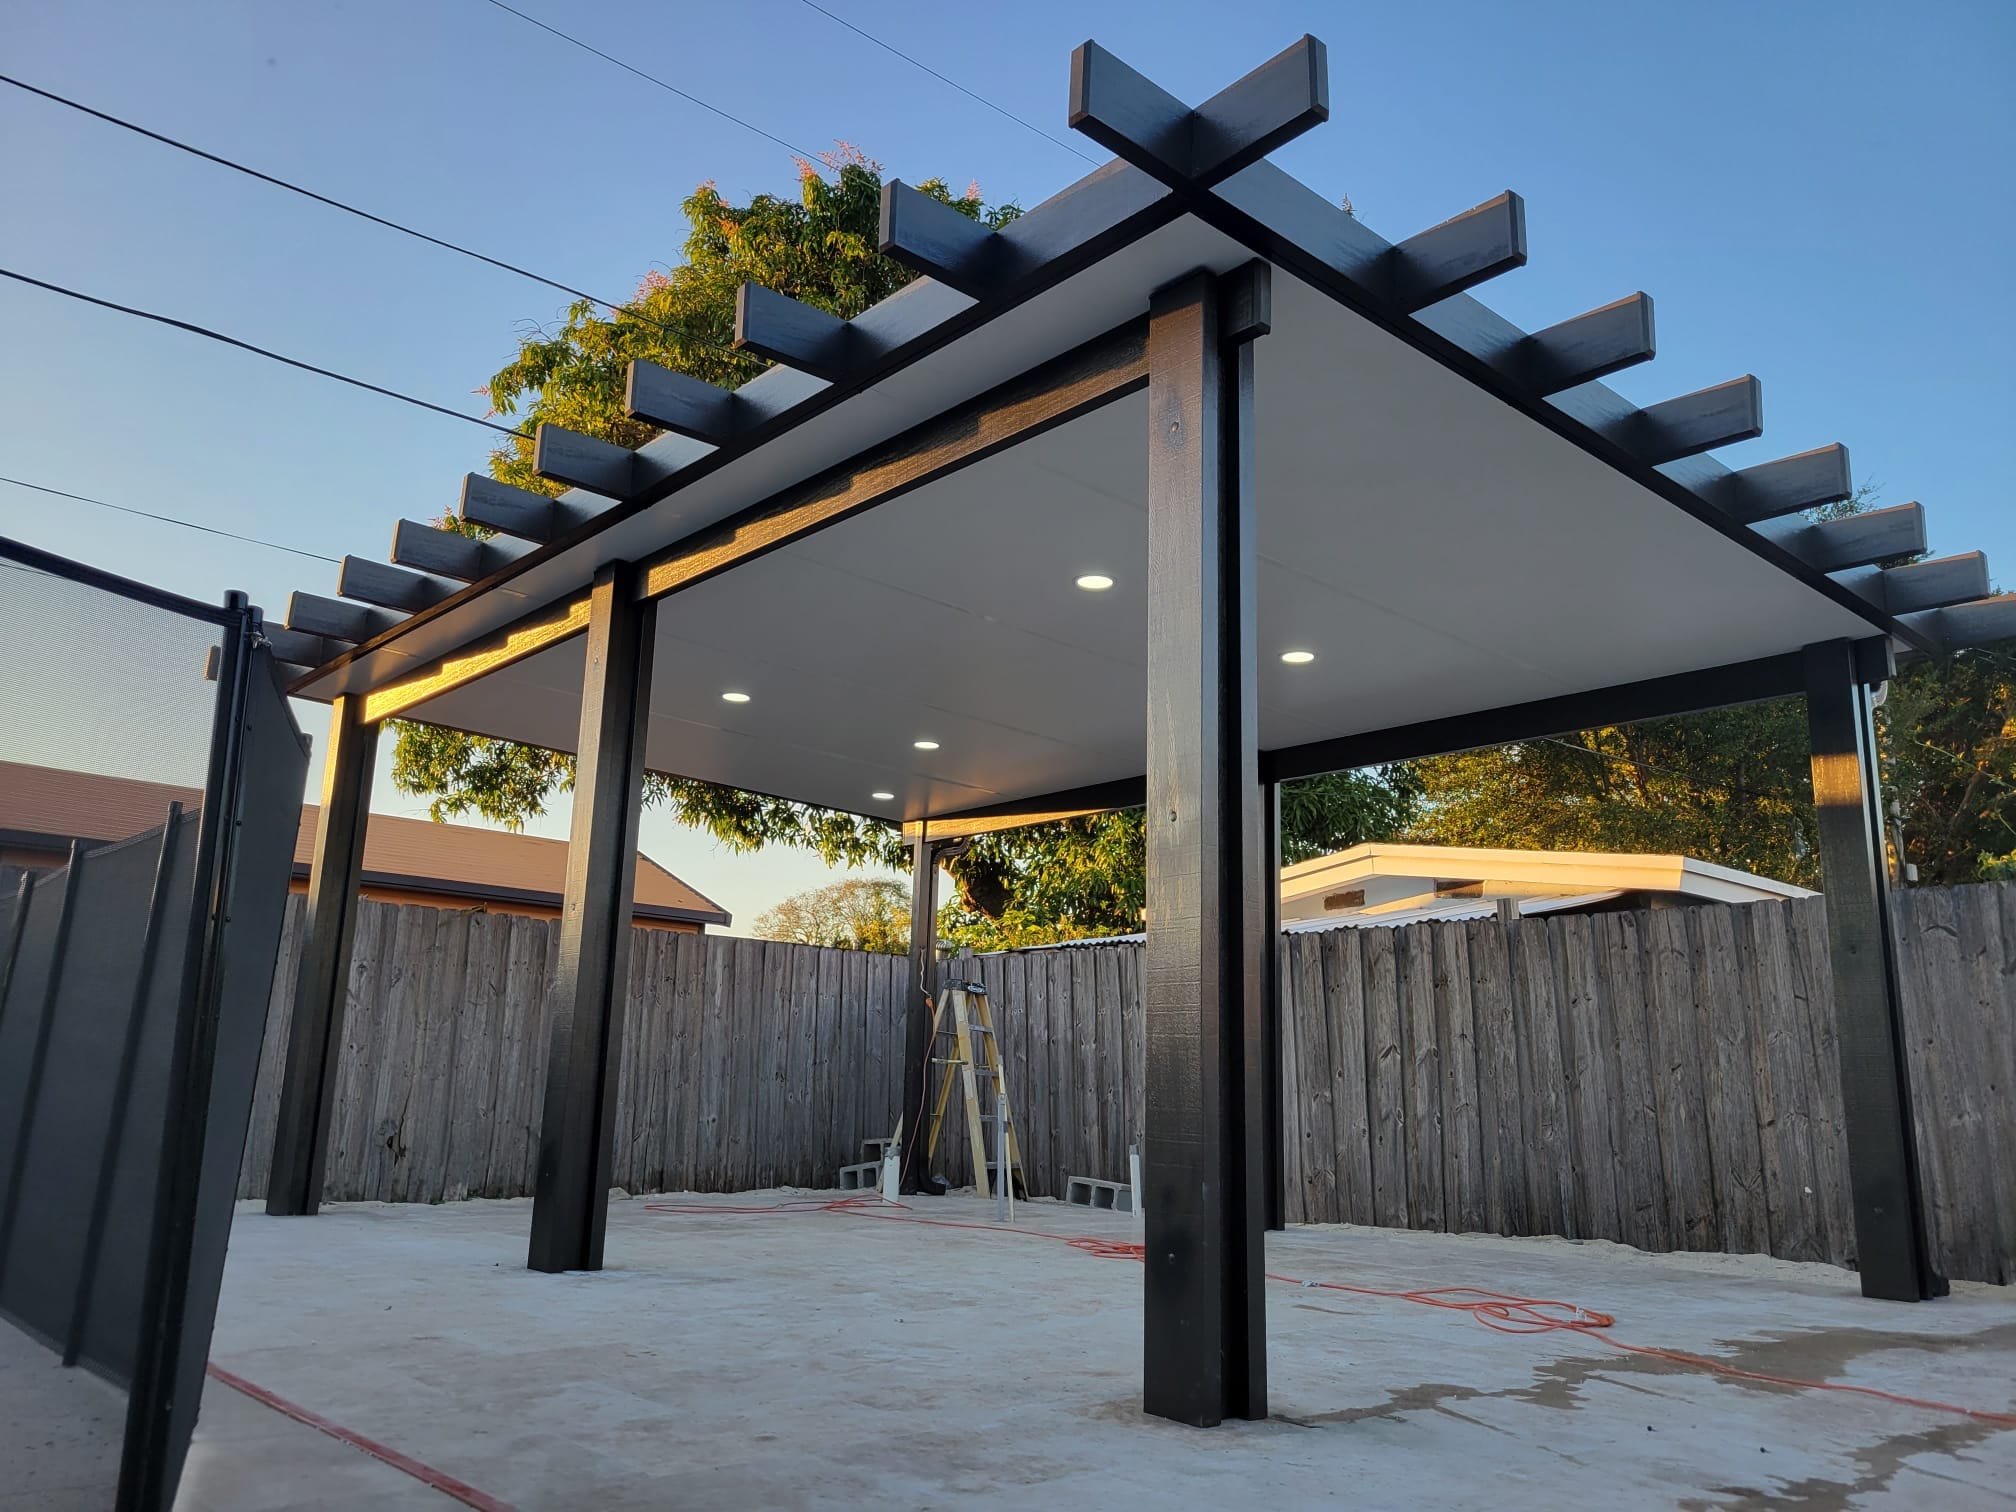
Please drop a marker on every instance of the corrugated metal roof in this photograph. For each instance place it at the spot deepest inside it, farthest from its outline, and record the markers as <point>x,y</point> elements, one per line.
<point>55,804</point>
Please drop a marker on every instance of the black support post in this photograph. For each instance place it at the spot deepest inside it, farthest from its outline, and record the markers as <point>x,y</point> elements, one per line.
<point>322,981</point>
<point>917,1001</point>
<point>1272,1089</point>
<point>1204,1353</point>
<point>1892,1243</point>
<point>570,1195</point>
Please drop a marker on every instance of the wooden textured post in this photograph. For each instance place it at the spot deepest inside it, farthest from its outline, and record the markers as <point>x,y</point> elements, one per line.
<point>1891,1240</point>
<point>1205,1324</point>
<point>322,982</point>
<point>920,988</point>
<point>570,1194</point>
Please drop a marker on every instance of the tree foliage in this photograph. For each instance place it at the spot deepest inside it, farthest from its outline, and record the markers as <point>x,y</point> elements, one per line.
<point>820,247</point>
<point>1729,786</point>
<point>1949,730</point>
<point>858,913</point>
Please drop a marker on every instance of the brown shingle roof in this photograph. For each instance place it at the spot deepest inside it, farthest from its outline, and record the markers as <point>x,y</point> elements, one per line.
<point>54,805</point>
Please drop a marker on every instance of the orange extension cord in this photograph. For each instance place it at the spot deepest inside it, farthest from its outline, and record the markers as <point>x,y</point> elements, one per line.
<point>1499,1311</point>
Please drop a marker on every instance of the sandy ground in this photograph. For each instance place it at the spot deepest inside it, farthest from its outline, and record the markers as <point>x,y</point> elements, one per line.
<point>830,1360</point>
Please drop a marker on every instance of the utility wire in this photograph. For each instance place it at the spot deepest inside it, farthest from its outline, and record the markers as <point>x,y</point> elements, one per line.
<point>171,520</point>
<point>246,346</point>
<point>674,89</point>
<point>941,78</point>
<point>307,193</point>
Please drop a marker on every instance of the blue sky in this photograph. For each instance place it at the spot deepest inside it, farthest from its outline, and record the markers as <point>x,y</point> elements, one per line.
<point>1815,193</point>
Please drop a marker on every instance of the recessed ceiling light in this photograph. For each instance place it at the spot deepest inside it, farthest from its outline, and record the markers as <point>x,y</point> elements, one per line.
<point>1298,658</point>
<point>925,745</point>
<point>734,698</point>
<point>1095,582</point>
<point>882,797</point>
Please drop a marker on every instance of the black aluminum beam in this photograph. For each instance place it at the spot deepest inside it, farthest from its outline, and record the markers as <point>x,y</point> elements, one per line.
<point>565,456</point>
<point>1459,254</point>
<point>683,404</point>
<point>1979,622</point>
<point>1694,423</point>
<point>920,993</point>
<point>1767,677</point>
<point>1205,1337</point>
<point>337,619</point>
<point>519,511</point>
<point>1133,117</point>
<point>1892,1241</point>
<point>1857,540</point>
<point>1933,583</point>
<point>931,237</point>
<point>1786,486</point>
<point>1587,348</point>
<point>300,648</point>
<point>1273,1092</point>
<point>1104,369</point>
<point>803,336</point>
<point>1013,813</point>
<point>451,554</point>
<point>364,581</point>
<point>322,979</point>
<point>591,980</point>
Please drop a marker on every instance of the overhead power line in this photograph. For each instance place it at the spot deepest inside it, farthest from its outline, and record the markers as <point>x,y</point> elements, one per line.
<point>246,346</point>
<point>918,63</point>
<point>306,193</point>
<point>691,99</point>
<point>147,514</point>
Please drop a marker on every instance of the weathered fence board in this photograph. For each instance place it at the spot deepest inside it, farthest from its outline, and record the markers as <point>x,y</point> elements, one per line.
<point>1669,1079</point>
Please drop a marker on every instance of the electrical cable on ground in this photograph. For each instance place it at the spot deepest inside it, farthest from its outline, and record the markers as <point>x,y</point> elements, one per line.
<point>427,1475</point>
<point>246,346</point>
<point>1499,1311</point>
<point>172,520</point>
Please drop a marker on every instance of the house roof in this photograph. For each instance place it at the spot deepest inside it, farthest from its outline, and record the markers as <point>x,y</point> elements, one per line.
<point>55,804</point>
<point>1551,872</point>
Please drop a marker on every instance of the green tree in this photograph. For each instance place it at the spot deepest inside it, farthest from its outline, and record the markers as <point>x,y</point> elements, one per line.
<point>858,913</point>
<point>1067,880</point>
<point>820,247</point>
<point>1949,735</point>
<point>1730,786</point>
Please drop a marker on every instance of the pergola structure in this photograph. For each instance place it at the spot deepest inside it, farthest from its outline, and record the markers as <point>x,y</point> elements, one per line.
<point>1273,431</point>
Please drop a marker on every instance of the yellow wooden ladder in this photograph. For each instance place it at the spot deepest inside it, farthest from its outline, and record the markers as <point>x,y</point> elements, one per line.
<point>969,1046</point>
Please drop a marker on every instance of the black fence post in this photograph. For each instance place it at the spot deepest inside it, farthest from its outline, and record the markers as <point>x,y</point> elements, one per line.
<point>591,979</point>
<point>1892,1244</point>
<point>1273,1074</point>
<point>322,980</point>
<point>920,993</point>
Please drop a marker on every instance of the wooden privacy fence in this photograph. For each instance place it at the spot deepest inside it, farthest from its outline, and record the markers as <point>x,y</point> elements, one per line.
<point>1667,1079</point>
<point>746,1063</point>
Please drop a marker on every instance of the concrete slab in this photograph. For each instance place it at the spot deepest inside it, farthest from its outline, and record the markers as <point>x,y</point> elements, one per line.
<point>60,1430</point>
<point>819,1359</point>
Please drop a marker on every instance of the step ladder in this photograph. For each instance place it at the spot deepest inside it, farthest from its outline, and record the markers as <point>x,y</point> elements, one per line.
<point>969,1048</point>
